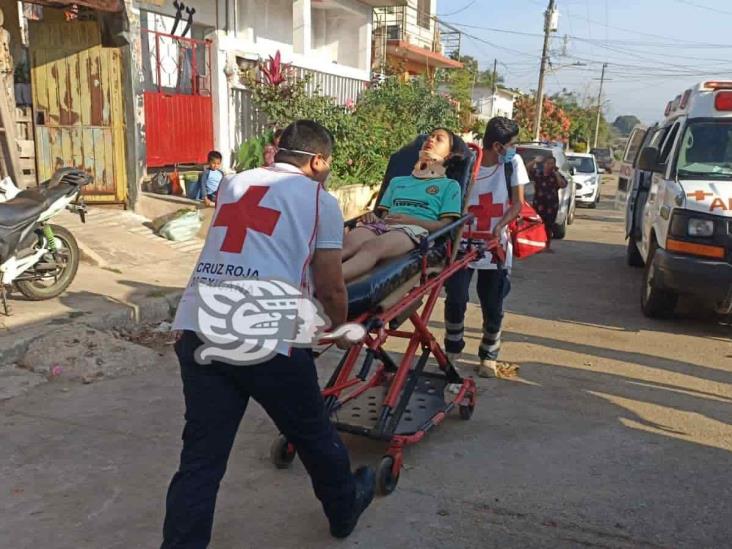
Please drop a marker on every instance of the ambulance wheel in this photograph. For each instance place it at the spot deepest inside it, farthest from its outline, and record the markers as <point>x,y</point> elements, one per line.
<point>282,453</point>
<point>386,480</point>
<point>466,411</point>
<point>655,302</point>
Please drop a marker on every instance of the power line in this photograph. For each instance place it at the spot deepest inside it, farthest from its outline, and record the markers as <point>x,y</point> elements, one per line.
<point>464,8</point>
<point>702,7</point>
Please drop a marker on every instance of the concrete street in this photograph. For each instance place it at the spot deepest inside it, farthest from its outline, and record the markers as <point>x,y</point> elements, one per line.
<point>617,433</point>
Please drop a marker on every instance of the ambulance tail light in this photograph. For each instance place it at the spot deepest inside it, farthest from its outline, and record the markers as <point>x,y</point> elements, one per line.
<point>718,85</point>
<point>668,109</point>
<point>723,101</point>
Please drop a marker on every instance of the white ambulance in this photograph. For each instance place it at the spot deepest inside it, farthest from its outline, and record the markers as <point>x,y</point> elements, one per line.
<point>679,201</point>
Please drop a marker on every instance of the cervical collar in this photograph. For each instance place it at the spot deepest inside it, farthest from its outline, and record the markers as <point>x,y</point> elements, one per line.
<point>429,166</point>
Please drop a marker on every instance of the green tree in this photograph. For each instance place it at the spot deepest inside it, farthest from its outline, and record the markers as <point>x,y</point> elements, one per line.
<point>625,124</point>
<point>460,84</point>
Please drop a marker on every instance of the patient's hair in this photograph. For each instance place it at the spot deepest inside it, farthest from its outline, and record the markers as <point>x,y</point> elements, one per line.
<point>501,129</point>
<point>304,135</point>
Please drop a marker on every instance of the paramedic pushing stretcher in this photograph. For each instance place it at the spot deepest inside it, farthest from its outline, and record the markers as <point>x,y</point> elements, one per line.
<point>280,222</point>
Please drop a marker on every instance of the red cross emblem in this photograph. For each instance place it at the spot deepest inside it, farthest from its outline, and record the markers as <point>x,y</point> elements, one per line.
<point>243,215</point>
<point>699,196</point>
<point>486,211</point>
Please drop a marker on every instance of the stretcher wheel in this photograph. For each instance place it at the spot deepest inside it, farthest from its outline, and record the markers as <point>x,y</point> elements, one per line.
<point>466,411</point>
<point>386,480</point>
<point>282,452</point>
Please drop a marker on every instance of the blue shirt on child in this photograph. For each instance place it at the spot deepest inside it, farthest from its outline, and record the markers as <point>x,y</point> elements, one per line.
<point>210,180</point>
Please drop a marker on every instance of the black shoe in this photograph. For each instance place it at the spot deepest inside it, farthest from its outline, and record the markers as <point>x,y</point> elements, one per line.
<point>365,482</point>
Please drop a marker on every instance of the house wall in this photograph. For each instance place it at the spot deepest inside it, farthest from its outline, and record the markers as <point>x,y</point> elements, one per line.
<point>336,45</point>
<point>484,103</point>
<point>331,40</point>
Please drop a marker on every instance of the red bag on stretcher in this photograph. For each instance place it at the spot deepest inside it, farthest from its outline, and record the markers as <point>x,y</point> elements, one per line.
<point>528,233</point>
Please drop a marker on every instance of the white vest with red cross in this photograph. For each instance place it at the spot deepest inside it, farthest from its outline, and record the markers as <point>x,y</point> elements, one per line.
<point>264,227</point>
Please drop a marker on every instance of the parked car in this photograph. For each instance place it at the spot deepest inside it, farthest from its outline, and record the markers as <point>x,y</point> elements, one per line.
<point>565,216</point>
<point>604,158</point>
<point>586,178</point>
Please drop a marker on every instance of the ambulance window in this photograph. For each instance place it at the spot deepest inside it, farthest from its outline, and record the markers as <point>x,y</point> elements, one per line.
<point>668,144</point>
<point>634,144</point>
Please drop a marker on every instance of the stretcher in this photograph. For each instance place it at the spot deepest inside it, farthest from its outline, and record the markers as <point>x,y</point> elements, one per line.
<point>372,392</point>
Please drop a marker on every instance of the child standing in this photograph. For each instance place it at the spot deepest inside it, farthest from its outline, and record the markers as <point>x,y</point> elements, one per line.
<point>494,210</point>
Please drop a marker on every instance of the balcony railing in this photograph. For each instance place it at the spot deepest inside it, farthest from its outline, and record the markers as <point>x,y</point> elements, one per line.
<point>407,24</point>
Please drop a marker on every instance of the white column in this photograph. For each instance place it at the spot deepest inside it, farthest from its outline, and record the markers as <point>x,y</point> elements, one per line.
<point>302,26</point>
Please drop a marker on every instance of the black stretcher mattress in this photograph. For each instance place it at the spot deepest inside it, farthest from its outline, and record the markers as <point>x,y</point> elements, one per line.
<point>365,293</point>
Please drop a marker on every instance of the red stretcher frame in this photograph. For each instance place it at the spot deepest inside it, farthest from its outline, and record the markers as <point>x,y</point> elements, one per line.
<point>344,386</point>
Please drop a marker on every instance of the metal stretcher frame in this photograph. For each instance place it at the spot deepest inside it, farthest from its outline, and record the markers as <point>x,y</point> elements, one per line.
<point>346,385</point>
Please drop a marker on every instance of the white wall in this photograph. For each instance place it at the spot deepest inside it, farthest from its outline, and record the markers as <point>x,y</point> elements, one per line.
<point>483,101</point>
<point>266,22</point>
<point>341,33</point>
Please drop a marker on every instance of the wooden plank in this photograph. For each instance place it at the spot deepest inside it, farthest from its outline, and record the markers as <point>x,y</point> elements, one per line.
<point>74,89</point>
<point>43,153</point>
<point>66,147</point>
<point>84,90</point>
<point>87,153</point>
<point>77,158</point>
<point>64,91</point>
<point>96,93</point>
<point>53,118</point>
<point>39,81</point>
<point>118,127</point>
<point>99,160</point>
<point>109,179</point>
<point>27,148</point>
<point>105,75</point>
<point>28,164</point>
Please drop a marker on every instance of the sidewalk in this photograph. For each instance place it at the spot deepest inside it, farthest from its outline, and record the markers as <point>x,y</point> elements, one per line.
<point>127,274</point>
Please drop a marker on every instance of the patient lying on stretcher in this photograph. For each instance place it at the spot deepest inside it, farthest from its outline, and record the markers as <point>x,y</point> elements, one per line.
<point>412,207</point>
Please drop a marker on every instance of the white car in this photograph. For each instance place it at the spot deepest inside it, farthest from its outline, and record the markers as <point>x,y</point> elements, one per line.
<point>586,178</point>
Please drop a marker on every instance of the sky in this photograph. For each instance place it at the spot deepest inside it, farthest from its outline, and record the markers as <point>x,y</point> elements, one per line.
<point>655,49</point>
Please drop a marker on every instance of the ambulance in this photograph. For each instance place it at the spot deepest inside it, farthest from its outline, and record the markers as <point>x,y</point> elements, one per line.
<point>677,178</point>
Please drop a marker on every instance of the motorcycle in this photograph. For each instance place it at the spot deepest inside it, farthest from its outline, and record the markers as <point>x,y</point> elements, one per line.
<point>39,258</point>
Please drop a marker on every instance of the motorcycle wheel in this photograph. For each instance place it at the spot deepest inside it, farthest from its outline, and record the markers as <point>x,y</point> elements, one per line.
<point>50,284</point>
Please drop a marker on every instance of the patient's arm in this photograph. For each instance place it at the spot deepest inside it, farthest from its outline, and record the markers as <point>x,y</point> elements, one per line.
<point>431,226</point>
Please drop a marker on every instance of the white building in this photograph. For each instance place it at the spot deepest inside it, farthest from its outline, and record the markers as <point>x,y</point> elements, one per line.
<point>487,105</point>
<point>329,39</point>
<point>409,38</point>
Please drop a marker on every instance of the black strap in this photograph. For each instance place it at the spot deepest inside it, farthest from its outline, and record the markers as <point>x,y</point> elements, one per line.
<point>508,167</point>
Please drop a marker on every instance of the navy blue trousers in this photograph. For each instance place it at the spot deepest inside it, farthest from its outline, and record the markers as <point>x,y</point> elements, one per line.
<point>492,288</point>
<point>216,397</point>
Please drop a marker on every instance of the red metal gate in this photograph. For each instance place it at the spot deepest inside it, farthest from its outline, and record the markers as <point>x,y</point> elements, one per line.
<point>178,104</point>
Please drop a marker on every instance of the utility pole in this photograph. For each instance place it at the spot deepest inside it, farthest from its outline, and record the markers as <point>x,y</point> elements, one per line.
<point>549,27</point>
<point>599,105</point>
<point>495,88</point>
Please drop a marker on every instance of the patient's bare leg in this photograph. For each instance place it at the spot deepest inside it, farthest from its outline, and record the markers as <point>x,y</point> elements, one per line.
<point>391,244</point>
<point>354,239</point>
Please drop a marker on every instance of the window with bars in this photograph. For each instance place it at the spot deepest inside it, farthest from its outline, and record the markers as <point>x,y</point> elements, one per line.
<point>423,13</point>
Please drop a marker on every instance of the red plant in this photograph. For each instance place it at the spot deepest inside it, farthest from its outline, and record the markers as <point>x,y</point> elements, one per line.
<point>274,70</point>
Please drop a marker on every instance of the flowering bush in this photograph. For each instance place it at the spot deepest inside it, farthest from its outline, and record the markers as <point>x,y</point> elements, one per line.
<point>368,131</point>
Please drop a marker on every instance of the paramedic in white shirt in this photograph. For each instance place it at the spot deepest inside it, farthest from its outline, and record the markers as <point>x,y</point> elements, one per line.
<point>270,223</point>
<point>494,209</point>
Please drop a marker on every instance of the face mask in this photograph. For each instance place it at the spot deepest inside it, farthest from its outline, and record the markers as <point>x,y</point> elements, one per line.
<point>507,156</point>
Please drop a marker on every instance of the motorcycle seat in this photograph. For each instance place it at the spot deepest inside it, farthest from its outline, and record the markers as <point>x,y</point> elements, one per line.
<point>25,207</point>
